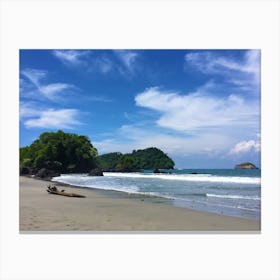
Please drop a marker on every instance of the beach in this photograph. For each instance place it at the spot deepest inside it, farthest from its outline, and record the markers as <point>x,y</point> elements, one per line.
<point>41,212</point>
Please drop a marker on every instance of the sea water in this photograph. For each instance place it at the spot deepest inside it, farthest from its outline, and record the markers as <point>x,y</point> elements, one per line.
<point>232,192</point>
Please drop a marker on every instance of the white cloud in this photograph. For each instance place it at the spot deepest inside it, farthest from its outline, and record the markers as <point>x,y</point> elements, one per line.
<point>35,78</point>
<point>198,123</point>
<point>70,57</point>
<point>103,64</point>
<point>37,115</point>
<point>199,110</point>
<point>128,59</point>
<point>253,65</point>
<point>51,89</point>
<point>245,147</point>
<point>51,118</point>
<point>119,61</point>
<point>175,144</point>
<point>34,75</point>
<point>28,109</point>
<point>211,62</point>
<point>206,148</point>
<point>239,72</point>
<point>130,137</point>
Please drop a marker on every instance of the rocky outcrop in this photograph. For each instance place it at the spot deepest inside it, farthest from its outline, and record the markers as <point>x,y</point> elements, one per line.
<point>96,172</point>
<point>46,174</point>
<point>125,169</point>
<point>245,165</point>
<point>157,171</point>
<point>25,171</point>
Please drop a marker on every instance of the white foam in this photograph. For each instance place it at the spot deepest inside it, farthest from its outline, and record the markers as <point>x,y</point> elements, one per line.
<point>86,182</point>
<point>81,180</point>
<point>188,177</point>
<point>233,196</point>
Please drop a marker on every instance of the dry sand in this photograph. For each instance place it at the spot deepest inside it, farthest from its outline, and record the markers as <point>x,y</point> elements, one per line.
<point>40,211</point>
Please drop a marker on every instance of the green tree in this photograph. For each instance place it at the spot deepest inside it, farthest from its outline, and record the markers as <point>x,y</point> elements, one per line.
<point>108,162</point>
<point>59,151</point>
<point>126,163</point>
<point>150,158</point>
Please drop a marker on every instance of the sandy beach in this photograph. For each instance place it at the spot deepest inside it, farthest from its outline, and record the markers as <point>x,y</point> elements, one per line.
<point>40,211</point>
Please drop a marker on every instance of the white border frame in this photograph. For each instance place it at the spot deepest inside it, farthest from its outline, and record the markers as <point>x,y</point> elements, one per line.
<point>143,24</point>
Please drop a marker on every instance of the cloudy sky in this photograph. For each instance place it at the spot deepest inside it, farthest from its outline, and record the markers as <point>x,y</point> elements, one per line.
<point>201,107</point>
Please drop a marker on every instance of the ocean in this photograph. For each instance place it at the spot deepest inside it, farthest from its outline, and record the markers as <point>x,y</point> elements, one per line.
<point>230,192</point>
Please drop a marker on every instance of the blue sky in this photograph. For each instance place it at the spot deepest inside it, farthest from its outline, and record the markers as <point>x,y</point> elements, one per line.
<point>201,107</point>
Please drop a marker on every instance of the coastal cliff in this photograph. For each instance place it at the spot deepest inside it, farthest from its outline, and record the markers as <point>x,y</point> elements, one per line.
<point>245,165</point>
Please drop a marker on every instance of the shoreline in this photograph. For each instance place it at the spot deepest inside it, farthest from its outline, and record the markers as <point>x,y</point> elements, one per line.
<point>148,198</point>
<point>176,201</point>
<point>100,212</point>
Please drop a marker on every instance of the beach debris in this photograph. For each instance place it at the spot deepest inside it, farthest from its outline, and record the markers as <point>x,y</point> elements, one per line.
<point>55,190</point>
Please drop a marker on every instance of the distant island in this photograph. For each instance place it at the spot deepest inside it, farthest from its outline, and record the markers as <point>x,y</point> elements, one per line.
<point>58,152</point>
<point>245,165</point>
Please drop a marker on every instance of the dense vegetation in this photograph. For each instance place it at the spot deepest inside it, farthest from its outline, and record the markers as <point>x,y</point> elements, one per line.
<point>108,162</point>
<point>150,158</point>
<point>60,152</point>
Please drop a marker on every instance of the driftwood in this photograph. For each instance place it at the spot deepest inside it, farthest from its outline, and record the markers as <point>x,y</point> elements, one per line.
<point>54,190</point>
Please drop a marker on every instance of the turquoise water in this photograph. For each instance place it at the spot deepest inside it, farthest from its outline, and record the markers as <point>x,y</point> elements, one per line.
<point>224,191</point>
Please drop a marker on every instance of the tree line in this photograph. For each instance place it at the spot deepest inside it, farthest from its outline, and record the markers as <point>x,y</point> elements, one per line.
<point>63,152</point>
<point>150,158</point>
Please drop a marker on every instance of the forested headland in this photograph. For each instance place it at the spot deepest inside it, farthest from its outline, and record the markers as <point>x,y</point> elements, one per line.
<point>150,158</point>
<point>58,152</point>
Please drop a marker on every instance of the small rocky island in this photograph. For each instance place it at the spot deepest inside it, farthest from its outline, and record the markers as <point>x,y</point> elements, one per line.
<point>245,165</point>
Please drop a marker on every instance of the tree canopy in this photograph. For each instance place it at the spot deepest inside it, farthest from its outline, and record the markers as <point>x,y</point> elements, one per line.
<point>59,151</point>
<point>150,158</point>
<point>108,162</point>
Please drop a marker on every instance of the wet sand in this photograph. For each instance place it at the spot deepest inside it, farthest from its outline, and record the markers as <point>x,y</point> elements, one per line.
<point>41,211</point>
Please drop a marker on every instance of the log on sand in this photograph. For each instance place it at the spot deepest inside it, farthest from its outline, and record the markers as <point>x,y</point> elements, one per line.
<point>54,190</point>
